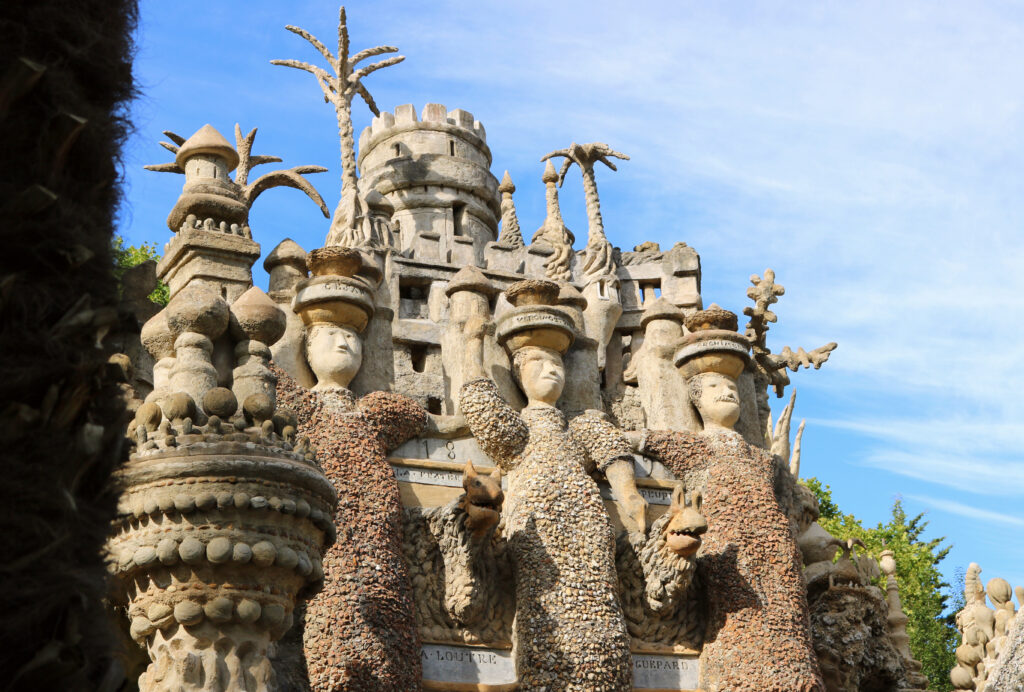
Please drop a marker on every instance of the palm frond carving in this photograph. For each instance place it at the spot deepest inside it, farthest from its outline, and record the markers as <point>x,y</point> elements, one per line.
<point>350,226</point>
<point>291,177</point>
<point>598,259</point>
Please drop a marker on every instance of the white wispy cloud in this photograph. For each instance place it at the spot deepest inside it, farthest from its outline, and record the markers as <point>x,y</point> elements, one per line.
<point>963,510</point>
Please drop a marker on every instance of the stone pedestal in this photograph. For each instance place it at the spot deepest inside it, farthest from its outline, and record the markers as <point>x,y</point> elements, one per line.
<point>219,534</point>
<point>221,260</point>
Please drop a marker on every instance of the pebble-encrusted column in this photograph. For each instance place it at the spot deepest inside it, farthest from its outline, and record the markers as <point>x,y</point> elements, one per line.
<point>221,530</point>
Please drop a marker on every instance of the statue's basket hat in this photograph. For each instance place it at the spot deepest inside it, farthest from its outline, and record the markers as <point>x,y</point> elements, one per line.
<point>713,345</point>
<point>534,320</point>
<point>332,296</point>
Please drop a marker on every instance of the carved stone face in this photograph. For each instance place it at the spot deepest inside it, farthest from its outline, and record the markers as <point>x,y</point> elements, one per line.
<point>483,498</point>
<point>717,399</point>
<point>540,373</point>
<point>334,354</point>
<point>683,531</point>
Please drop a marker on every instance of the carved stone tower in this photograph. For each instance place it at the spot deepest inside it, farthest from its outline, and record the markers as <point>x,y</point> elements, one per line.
<point>435,171</point>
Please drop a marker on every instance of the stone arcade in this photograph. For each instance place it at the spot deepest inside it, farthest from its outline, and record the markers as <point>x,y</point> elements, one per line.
<point>558,472</point>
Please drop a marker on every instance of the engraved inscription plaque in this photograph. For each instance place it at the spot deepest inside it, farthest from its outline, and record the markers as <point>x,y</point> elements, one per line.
<point>656,672</point>
<point>486,668</point>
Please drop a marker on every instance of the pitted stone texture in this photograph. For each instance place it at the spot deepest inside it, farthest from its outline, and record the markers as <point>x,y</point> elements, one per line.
<point>851,640</point>
<point>569,632</point>
<point>757,635</point>
<point>1008,672</point>
<point>360,630</point>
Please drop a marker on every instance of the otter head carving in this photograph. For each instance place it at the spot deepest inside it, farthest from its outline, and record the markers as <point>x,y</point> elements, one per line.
<point>482,499</point>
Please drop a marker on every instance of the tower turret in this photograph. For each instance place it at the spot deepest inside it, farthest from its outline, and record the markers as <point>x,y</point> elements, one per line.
<point>435,171</point>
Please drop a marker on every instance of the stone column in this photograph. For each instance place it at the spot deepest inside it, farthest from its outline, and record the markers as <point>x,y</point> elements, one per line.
<point>469,294</point>
<point>256,323</point>
<point>196,316</point>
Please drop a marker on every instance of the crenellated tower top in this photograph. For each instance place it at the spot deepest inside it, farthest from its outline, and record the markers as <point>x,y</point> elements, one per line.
<point>435,170</point>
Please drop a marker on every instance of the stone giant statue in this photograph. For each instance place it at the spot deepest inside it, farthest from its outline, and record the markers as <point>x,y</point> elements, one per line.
<point>360,631</point>
<point>757,634</point>
<point>569,631</point>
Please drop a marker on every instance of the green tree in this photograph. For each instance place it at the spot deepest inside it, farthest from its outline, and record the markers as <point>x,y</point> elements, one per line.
<point>128,256</point>
<point>925,596</point>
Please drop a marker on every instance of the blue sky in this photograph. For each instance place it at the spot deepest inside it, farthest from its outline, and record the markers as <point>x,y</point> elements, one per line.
<point>871,153</point>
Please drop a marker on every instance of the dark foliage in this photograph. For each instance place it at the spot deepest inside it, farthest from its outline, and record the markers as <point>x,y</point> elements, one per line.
<point>61,412</point>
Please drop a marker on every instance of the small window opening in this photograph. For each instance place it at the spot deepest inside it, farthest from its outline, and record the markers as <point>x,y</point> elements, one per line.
<point>434,405</point>
<point>649,290</point>
<point>457,213</point>
<point>451,147</point>
<point>418,356</point>
<point>224,292</point>
<point>412,291</point>
<point>398,149</point>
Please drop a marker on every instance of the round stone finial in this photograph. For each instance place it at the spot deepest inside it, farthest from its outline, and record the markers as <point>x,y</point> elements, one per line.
<point>286,252</point>
<point>712,318</point>
<point>258,408</point>
<point>149,416</point>
<point>506,186</point>
<point>470,278</point>
<point>532,292</point>
<point>207,140</point>
<point>179,406</point>
<point>256,317</point>
<point>334,260</point>
<point>197,308</point>
<point>661,309</point>
<point>550,175</point>
<point>157,337</point>
<point>220,402</point>
<point>887,562</point>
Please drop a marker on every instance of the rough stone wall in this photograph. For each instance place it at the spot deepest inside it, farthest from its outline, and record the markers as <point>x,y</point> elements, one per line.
<point>360,631</point>
<point>61,417</point>
<point>851,641</point>
<point>757,633</point>
<point>1008,673</point>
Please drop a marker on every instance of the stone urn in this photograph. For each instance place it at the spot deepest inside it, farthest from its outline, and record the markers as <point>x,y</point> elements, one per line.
<point>219,534</point>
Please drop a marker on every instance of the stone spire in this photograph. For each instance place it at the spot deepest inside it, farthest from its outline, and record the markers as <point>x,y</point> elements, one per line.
<point>350,226</point>
<point>511,236</point>
<point>554,233</point>
<point>597,257</point>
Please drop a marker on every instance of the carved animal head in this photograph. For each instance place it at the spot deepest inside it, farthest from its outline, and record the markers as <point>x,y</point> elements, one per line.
<point>483,498</point>
<point>684,529</point>
<point>846,572</point>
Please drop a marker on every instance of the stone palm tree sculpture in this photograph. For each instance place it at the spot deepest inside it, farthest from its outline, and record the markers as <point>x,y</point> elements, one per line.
<point>600,283</point>
<point>597,257</point>
<point>210,199</point>
<point>350,226</point>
